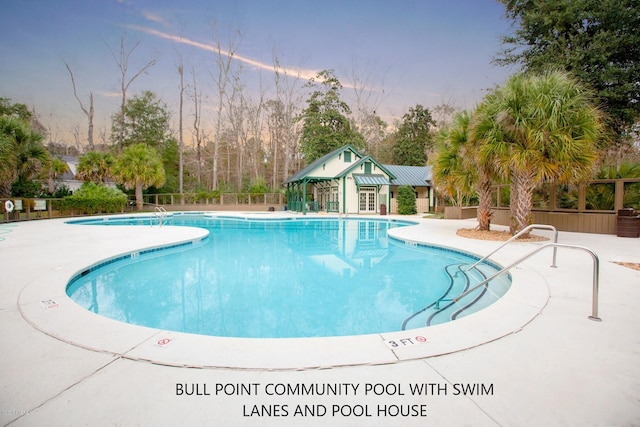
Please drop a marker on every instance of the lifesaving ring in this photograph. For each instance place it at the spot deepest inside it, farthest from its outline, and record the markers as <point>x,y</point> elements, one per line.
<point>8,206</point>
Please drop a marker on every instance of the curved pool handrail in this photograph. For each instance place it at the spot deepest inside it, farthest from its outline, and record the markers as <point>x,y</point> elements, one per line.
<point>436,303</point>
<point>160,212</point>
<point>520,233</point>
<point>596,274</point>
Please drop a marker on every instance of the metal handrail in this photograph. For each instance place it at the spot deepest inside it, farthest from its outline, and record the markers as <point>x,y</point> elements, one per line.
<point>523,231</point>
<point>160,212</point>
<point>596,274</point>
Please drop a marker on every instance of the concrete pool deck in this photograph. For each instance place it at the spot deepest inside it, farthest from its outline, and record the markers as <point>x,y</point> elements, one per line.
<point>532,359</point>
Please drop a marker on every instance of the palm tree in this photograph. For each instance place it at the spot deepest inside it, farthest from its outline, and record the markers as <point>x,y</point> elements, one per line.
<point>450,168</point>
<point>535,129</point>
<point>22,154</point>
<point>54,168</point>
<point>95,166</point>
<point>459,171</point>
<point>8,128</point>
<point>139,166</point>
<point>483,162</point>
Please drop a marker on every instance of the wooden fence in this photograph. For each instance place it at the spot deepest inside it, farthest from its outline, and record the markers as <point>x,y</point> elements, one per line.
<point>594,206</point>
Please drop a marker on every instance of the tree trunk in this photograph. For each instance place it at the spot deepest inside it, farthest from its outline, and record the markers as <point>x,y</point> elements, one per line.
<point>484,205</point>
<point>180,136</point>
<point>196,129</point>
<point>139,202</point>
<point>90,118</point>
<point>50,183</point>
<point>521,201</point>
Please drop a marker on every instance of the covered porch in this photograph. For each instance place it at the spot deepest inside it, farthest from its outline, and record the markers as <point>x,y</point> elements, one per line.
<point>313,195</point>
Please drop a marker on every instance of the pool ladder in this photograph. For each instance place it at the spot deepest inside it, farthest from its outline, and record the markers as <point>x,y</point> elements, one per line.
<point>160,213</point>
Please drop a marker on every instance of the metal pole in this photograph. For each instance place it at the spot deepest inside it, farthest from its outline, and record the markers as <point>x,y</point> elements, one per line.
<point>523,231</point>
<point>596,275</point>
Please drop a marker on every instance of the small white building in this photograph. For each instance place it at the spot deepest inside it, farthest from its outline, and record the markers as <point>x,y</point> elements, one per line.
<point>68,179</point>
<point>349,182</point>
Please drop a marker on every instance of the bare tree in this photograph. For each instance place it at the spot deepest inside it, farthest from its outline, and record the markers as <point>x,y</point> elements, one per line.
<point>256,150</point>
<point>122,58</point>
<point>76,136</point>
<point>275,129</point>
<point>368,96</point>
<point>87,112</point>
<point>443,113</point>
<point>245,120</point>
<point>198,134</point>
<point>224,60</point>
<point>104,140</point>
<point>236,108</point>
<point>180,67</point>
<point>287,106</point>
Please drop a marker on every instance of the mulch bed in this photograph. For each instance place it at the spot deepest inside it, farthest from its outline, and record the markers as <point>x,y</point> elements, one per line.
<point>633,265</point>
<point>500,236</point>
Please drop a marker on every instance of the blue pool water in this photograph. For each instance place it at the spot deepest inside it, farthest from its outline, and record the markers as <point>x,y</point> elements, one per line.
<point>284,278</point>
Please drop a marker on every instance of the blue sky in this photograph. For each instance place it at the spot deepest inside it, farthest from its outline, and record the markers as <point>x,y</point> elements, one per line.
<point>419,52</point>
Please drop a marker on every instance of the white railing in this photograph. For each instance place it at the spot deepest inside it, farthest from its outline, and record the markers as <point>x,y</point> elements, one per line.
<point>161,213</point>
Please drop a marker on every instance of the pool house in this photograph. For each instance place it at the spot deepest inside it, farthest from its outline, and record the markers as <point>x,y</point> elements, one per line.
<point>348,182</point>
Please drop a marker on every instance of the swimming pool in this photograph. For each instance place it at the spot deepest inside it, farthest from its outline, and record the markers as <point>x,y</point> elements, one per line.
<point>267,278</point>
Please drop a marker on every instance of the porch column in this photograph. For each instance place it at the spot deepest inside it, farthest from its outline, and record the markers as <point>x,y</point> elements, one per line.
<point>304,196</point>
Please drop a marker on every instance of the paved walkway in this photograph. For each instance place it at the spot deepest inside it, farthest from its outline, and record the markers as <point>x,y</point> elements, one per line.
<point>546,365</point>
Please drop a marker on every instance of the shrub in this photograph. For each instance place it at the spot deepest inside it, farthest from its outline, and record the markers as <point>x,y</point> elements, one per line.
<point>62,191</point>
<point>406,200</point>
<point>258,187</point>
<point>95,198</point>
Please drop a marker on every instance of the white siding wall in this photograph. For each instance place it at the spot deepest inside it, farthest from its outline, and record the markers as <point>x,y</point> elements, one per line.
<point>333,167</point>
<point>352,195</point>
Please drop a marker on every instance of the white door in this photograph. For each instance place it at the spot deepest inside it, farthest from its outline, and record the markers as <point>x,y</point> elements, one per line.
<point>367,199</point>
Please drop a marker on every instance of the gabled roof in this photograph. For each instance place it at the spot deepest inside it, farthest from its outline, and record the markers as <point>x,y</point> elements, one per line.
<point>415,176</point>
<point>361,161</point>
<point>305,171</point>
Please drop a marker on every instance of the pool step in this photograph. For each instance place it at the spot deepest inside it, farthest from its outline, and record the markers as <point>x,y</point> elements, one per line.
<point>445,309</point>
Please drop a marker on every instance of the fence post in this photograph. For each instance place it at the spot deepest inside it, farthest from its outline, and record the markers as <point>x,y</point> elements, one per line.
<point>619,195</point>
<point>582,198</point>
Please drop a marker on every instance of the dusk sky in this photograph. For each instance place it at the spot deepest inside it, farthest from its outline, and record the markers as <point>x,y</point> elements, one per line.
<point>418,52</point>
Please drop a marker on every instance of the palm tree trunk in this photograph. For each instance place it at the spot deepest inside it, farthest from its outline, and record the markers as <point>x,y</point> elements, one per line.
<point>484,205</point>
<point>139,202</point>
<point>521,201</point>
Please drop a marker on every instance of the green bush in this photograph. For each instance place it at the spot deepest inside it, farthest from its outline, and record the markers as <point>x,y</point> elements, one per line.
<point>203,195</point>
<point>406,200</point>
<point>95,198</point>
<point>258,186</point>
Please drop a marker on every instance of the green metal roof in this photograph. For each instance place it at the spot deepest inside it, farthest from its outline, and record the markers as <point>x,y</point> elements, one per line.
<point>398,175</point>
<point>415,176</point>
<point>368,179</point>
